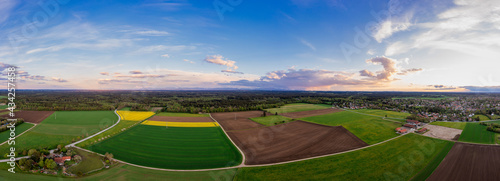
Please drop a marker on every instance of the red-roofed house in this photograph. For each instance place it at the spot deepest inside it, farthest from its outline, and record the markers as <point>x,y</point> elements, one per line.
<point>403,131</point>
<point>61,160</point>
<point>413,122</point>
<point>410,126</point>
<point>397,129</point>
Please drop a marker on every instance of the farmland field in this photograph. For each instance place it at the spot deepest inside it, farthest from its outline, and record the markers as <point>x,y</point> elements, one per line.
<point>292,141</point>
<point>5,135</point>
<point>180,124</point>
<point>456,125</point>
<point>476,133</point>
<point>382,113</point>
<point>135,115</point>
<point>181,114</point>
<point>469,162</point>
<point>427,171</point>
<point>172,147</point>
<point>372,163</point>
<point>123,125</point>
<point>62,127</point>
<point>271,120</point>
<point>368,128</point>
<point>127,172</point>
<point>297,107</point>
<point>31,116</point>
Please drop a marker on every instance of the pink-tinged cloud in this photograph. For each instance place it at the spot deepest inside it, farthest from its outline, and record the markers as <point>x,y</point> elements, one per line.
<point>390,69</point>
<point>220,60</point>
<point>104,73</point>
<point>135,72</point>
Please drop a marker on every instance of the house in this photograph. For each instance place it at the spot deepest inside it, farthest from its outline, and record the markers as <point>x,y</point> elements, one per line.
<point>414,122</point>
<point>402,131</point>
<point>61,160</point>
<point>410,126</point>
<point>398,129</point>
<point>422,130</point>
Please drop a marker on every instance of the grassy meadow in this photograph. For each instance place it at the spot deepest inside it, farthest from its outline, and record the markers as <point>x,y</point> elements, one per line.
<point>271,120</point>
<point>297,107</point>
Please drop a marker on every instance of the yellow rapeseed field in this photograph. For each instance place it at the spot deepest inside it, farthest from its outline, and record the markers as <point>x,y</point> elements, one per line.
<point>135,115</point>
<point>180,124</point>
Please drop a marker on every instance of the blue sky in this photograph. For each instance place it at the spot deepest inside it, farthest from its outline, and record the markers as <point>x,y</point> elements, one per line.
<point>289,44</point>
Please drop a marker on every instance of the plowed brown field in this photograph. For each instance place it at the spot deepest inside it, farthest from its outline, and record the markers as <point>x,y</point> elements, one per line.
<point>292,141</point>
<point>31,116</point>
<point>238,120</point>
<point>469,162</point>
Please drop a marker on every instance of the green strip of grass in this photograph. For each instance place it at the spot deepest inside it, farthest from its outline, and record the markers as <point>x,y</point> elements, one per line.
<point>427,171</point>
<point>476,133</point>
<point>90,162</point>
<point>181,114</point>
<point>297,107</point>
<point>456,125</point>
<point>387,161</point>
<point>271,120</point>
<point>383,113</point>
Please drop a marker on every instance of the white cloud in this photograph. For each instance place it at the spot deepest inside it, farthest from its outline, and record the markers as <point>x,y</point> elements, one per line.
<point>165,55</point>
<point>152,33</point>
<point>392,25</point>
<point>6,8</point>
<point>306,43</point>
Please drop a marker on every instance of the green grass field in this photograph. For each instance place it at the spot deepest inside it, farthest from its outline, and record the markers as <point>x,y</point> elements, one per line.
<point>383,113</point>
<point>271,120</point>
<point>456,125</point>
<point>481,117</point>
<point>173,147</point>
<point>123,125</point>
<point>297,107</point>
<point>5,135</point>
<point>427,171</point>
<point>125,109</point>
<point>127,172</point>
<point>181,114</point>
<point>399,159</point>
<point>368,128</point>
<point>476,133</point>
<point>89,162</point>
<point>4,106</point>
<point>62,127</point>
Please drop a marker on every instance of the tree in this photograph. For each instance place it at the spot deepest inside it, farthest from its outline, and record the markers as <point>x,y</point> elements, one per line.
<point>51,164</point>
<point>34,155</point>
<point>276,113</point>
<point>41,163</point>
<point>59,147</point>
<point>69,153</point>
<point>28,164</point>
<point>63,149</point>
<point>22,161</point>
<point>77,158</point>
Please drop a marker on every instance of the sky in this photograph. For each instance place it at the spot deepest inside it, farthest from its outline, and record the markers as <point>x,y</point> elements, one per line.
<point>325,45</point>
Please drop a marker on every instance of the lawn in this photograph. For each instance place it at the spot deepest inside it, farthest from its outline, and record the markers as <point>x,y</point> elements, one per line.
<point>5,135</point>
<point>90,162</point>
<point>427,171</point>
<point>62,127</point>
<point>297,107</point>
<point>271,120</point>
<point>128,172</point>
<point>172,147</point>
<point>383,113</point>
<point>456,125</point>
<point>476,133</point>
<point>181,114</point>
<point>408,155</point>
<point>368,128</point>
<point>481,117</point>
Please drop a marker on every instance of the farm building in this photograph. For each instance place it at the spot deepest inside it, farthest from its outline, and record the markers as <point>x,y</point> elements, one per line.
<point>61,160</point>
<point>422,130</point>
<point>414,122</point>
<point>401,130</point>
<point>410,126</point>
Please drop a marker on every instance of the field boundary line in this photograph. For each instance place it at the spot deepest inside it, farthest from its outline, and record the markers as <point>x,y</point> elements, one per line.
<point>82,140</point>
<point>241,151</point>
<point>34,124</point>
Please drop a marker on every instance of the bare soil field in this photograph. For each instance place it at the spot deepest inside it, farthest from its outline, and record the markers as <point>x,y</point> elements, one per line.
<point>303,114</point>
<point>469,162</point>
<point>181,119</point>
<point>292,141</point>
<point>31,116</point>
<point>238,120</point>
<point>442,132</point>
